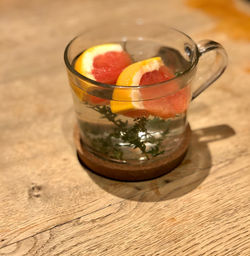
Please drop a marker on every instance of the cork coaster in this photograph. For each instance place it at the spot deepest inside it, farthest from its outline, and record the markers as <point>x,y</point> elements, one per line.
<point>126,172</point>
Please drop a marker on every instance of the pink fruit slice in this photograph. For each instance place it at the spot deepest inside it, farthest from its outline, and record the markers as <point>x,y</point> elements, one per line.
<point>108,66</point>
<point>155,97</point>
<point>101,63</point>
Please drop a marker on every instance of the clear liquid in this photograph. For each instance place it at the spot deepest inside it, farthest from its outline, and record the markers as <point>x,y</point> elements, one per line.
<point>132,140</point>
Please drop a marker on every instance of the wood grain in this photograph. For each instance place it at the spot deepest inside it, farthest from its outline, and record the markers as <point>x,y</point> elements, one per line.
<point>51,205</point>
<point>135,227</point>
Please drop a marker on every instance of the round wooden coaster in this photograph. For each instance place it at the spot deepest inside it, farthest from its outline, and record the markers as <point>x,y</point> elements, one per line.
<point>126,172</point>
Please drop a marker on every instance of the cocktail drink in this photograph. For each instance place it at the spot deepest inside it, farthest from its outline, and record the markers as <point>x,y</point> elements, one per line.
<point>131,87</point>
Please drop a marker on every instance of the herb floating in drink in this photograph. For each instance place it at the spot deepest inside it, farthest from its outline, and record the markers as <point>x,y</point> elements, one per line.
<point>135,136</point>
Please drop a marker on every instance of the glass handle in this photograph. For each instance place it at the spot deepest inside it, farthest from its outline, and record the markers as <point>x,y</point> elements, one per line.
<point>219,66</point>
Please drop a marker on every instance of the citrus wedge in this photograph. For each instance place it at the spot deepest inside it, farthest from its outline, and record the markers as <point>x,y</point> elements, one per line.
<point>150,100</point>
<point>101,63</point>
<point>128,100</point>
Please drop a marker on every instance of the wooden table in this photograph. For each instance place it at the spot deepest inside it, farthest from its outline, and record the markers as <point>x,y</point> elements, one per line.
<point>50,205</point>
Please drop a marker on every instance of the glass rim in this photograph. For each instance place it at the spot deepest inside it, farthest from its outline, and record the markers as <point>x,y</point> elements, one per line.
<point>110,86</point>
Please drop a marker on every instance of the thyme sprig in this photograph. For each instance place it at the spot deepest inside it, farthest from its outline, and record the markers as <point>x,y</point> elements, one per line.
<point>135,136</point>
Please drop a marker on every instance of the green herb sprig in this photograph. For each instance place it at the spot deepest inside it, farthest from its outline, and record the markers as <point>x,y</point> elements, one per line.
<point>135,136</point>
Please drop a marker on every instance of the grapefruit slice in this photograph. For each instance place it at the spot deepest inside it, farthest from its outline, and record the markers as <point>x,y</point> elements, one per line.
<point>149,100</point>
<point>129,100</point>
<point>102,63</point>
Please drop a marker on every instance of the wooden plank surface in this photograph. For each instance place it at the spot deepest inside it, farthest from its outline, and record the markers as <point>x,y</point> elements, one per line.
<point>50,205</point>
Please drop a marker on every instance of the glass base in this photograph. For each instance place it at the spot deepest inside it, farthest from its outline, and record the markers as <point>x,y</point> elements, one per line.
<point>126,172</point>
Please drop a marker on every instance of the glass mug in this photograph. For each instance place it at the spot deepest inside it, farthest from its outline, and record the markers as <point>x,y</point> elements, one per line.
<point>149,141</point>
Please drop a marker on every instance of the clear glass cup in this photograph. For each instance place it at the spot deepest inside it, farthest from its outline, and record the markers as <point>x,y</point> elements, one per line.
<point>147,142</point>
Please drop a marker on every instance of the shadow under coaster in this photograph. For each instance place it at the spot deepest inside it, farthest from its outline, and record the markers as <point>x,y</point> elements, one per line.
<point>127,172</point>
